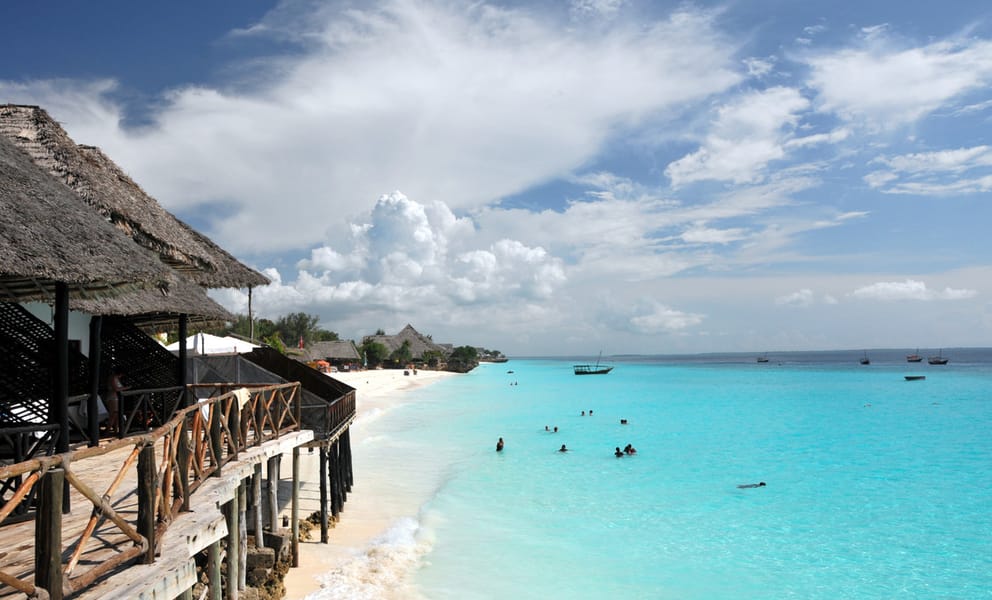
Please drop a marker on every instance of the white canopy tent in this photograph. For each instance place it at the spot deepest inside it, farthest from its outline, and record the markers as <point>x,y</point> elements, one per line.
<point>204,343</point>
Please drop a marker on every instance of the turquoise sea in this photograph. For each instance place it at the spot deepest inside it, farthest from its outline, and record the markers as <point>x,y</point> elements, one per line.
<point>877,487</point>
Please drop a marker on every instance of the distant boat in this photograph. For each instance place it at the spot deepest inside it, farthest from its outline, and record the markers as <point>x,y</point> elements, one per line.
<point>914,357</point>
<point>592,369</point>
<point>938,360</point>
<point>915,377</point>
<point>762,359</point>
<point>864,360</point>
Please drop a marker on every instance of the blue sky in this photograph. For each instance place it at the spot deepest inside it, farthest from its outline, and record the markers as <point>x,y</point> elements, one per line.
<point>557,177</point>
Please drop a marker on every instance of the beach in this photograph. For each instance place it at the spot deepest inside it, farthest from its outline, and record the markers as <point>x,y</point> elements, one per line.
<point>368,512</point>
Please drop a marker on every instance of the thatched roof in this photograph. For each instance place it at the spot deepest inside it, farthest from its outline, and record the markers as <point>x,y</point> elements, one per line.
<point>102,184</point>
<point>336,350</point>
<point>418,343</point>
<point>47,235</point>
<point>148,308</point>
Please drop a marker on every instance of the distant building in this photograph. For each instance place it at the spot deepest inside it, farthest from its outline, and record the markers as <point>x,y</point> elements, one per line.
<point>339,353</point>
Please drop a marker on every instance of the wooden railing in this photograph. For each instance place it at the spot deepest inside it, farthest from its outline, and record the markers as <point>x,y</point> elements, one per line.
<point>165,466</point>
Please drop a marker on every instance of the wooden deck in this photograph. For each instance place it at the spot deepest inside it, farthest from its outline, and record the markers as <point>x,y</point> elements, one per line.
<point>173,571</point>
<point>142,507</point>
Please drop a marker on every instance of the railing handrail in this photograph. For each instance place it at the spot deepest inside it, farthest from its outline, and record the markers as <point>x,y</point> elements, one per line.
<point>193,447</point>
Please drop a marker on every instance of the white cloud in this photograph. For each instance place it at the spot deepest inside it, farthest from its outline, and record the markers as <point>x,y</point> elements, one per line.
<point>463,103</point>
<point>759,67</point>
<point>803,297</point>
<point>934,173</point>
<point>746,135</point>
<point>909,290</point>
<point>955,161</point>
<point>883,87</point>
<point>653,317</point>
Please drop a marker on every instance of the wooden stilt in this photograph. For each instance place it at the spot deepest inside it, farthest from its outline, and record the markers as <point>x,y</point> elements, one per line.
<point>214,579</point>
<point>93,402</point>
<point>296,506</point>
<point>346,448</point>
<point>233,550</point>
<point>242,535</point>
<point>256,500</point>
<point>323,494</point>
<point>272,471</point>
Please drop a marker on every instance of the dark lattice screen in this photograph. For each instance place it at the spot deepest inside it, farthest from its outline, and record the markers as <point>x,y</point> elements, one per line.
<point>146,364</point>
<point>27,355</point>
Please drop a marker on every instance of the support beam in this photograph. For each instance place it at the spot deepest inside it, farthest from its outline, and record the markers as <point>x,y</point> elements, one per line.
<point>93,402</point>
<point>59,403</point>
<point>181,375</point>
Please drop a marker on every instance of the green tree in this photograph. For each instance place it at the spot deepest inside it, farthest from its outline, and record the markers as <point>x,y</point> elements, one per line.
<point>463,359</point>
<point>402,355</point>
<point>294,326</point>
<point>375,353</point>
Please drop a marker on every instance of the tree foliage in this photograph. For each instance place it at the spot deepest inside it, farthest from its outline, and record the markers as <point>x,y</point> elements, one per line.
<point>375,353</point>
<point>402,355</point>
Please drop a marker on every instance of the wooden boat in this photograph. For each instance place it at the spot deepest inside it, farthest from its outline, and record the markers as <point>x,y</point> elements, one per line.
<point>914,357</point>
<point>864,360</point>
<point>595,369</point>
<point>762,359</point>
<point>937,360</point>
<point>915,377</point>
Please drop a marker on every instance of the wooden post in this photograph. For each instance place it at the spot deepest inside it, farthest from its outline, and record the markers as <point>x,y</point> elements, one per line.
<point>48,534</point>
<point>234,425</point>
<point>184,458</point>
<point>242,535</point>
<point>215,436</point>
<point>273,488</point>
<point>215,582</point>
<point>346,449</point>
<point>296,506</point>
<point>233,551</point>
<point>59,403</point>
<point>146,500</point>
<point>334,459</point>
<point>256,500</point>
<point>93,402</point>
<point>323,494</point>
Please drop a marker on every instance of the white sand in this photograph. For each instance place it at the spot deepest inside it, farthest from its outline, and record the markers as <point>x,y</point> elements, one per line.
<point>366,515</point>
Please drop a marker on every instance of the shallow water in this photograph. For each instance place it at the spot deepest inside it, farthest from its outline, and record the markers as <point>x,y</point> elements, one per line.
<point>876,487</point>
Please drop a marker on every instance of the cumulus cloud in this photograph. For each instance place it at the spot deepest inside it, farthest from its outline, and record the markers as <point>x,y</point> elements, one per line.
<point>746,135</point>
<point>884,86</point>
<point>803,297</point>
<point>412,257</point>
<point>909,290</point>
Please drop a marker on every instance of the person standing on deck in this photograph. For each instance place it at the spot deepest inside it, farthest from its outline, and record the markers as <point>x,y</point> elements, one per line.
<point>112,398</point>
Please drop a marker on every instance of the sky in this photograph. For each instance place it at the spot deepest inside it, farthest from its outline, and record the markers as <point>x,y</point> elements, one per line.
<point>555,177</point>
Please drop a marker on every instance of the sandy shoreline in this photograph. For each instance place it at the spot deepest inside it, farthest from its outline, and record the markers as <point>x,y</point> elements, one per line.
<point>364,518</point>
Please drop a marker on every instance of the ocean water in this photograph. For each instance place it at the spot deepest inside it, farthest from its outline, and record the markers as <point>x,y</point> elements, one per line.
<point>877,487</point>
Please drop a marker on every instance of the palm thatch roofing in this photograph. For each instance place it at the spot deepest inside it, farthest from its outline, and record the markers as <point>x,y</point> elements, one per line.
<point>103,185</point>
<point>154,308</point>
<point>47,236</point>
<point>339,350</point>
<point>419,344</point>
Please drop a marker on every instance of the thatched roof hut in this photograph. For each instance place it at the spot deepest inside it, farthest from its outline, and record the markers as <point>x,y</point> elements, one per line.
<point>104,186</point>
<point>419,344</point>
<point>336,351</point>
<point>47,235</point>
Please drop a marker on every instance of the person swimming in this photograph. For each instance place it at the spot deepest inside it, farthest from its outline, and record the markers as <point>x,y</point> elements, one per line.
<point>752,485</point>
<point>618,453</point>
<point>563,448</point>
<point>499,445</point>
<point>628,449</point>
